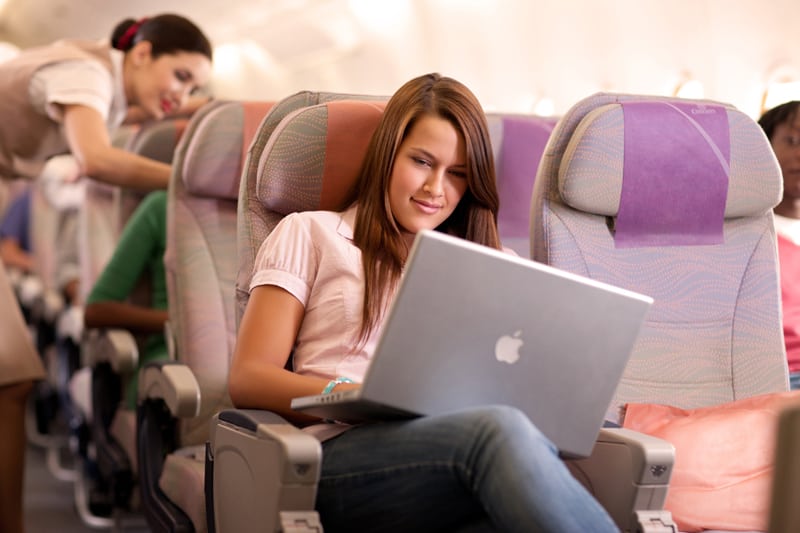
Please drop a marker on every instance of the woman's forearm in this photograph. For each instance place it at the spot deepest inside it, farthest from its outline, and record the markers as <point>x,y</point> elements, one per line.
<point>124,315</point>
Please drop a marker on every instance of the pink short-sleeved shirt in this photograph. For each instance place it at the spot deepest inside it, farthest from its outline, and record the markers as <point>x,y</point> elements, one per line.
<point>312,256</point>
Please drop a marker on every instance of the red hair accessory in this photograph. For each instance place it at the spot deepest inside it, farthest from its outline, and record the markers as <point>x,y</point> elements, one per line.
<point>124,42</point>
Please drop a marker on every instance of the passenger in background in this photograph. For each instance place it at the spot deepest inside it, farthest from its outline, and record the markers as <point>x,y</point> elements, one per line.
<point>139,254</point>
<point>321,285</point>
<point>15,248</point>
<point>65,98</point>
<point>782,126</point>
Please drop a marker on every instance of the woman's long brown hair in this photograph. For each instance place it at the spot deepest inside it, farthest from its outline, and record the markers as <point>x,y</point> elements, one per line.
<point>376,232</point>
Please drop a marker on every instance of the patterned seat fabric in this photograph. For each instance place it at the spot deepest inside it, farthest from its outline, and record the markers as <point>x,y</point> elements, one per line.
<point>107,207</point>
<point>200,263</point>
<point>306,156</point>
<point>714,333</point>
<point>255,220</point>
<point>101,219</point>
<point>518,142</point>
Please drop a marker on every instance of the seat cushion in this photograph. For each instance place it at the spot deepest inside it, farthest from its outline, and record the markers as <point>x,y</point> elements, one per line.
<point>182,481</point>
<point>723,459</point>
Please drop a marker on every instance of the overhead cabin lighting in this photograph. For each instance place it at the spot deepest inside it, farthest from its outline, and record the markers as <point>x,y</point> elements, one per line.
<point>545,107</point>
<point>690,88</point>
<point>381,17</point>
<point>526,104</point>
<point>7,50</point>
<point>227,60</point>
<point>780,92</point>
<point>687,86</point>
<point>782,85</point>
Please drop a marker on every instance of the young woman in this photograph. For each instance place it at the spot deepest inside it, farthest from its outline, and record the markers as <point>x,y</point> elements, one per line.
<point>65,98</point>
<point>321,284</point>
<point>782,127</point>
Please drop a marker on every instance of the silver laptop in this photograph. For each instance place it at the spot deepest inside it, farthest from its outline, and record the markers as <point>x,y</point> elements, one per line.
<point>475,326</point>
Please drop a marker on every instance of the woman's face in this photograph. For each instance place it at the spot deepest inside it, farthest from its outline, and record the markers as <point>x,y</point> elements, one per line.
<point>161,85</point>
<point>786,144</point>
<point>429,175</point>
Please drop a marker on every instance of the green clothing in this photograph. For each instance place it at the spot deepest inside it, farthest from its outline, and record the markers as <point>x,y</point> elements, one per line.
<point>140,251</point>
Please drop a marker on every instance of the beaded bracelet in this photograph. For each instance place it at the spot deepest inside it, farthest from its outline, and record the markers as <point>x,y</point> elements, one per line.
<point>332,384</point>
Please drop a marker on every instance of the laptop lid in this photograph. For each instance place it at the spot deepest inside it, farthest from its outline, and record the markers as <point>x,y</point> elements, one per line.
<point>475,326</point>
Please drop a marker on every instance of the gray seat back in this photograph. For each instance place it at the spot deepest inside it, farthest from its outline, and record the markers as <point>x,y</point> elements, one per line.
<point>714,333</point>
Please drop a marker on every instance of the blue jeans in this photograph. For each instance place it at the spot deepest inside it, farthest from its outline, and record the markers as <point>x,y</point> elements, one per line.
<point>470,469</point>
<point>794,381</point>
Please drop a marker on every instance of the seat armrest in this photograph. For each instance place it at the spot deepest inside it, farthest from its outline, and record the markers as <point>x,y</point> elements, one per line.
<point>167,392</point>
<point>274,465</point>
<point>172,382</point>
<point>69,324</point>
<point>29,289</point>
<point>627,472</point>
<point>169,338</point>
<point>116,347</point>
<point>49,305</point>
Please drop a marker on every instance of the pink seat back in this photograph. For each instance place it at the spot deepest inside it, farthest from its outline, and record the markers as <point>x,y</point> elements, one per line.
<point>200,259</point>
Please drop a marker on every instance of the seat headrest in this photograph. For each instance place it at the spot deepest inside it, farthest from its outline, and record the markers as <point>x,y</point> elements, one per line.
<point>590,176</point>
<point>313,157</point>
<point>215,153</point>
<point>518,142</point>
<point>157,140</point>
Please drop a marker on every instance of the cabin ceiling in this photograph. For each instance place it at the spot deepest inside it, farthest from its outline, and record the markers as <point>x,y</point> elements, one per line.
<point>33,22</point>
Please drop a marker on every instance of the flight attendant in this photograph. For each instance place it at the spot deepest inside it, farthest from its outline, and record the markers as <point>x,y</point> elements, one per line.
<point>67,97</point>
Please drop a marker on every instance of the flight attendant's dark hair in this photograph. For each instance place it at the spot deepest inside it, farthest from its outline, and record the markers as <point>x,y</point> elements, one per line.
<point>168,34</point>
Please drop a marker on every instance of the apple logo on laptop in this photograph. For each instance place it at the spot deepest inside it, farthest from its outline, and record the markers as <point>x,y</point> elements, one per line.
<point>507,348</point>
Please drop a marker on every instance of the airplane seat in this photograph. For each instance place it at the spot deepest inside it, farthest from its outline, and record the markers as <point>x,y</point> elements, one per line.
<point>175,385</point>
<point>51,227</point>
<point>671,198</point>
<point>49,211</point>
<point>310,161</point>
<point>200,265</point>
<point>518,142</point>
<point>109,356</point>
<point>254,222</point>
<point>99,221</point>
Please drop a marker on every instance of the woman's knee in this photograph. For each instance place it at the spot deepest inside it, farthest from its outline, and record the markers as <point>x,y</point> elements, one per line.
<point>505,424</point>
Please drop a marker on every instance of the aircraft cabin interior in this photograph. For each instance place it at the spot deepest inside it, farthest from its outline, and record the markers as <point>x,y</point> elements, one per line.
<point>395,265</point>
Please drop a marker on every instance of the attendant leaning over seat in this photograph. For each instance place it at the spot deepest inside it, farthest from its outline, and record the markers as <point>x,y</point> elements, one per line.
<point>65,98</point>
